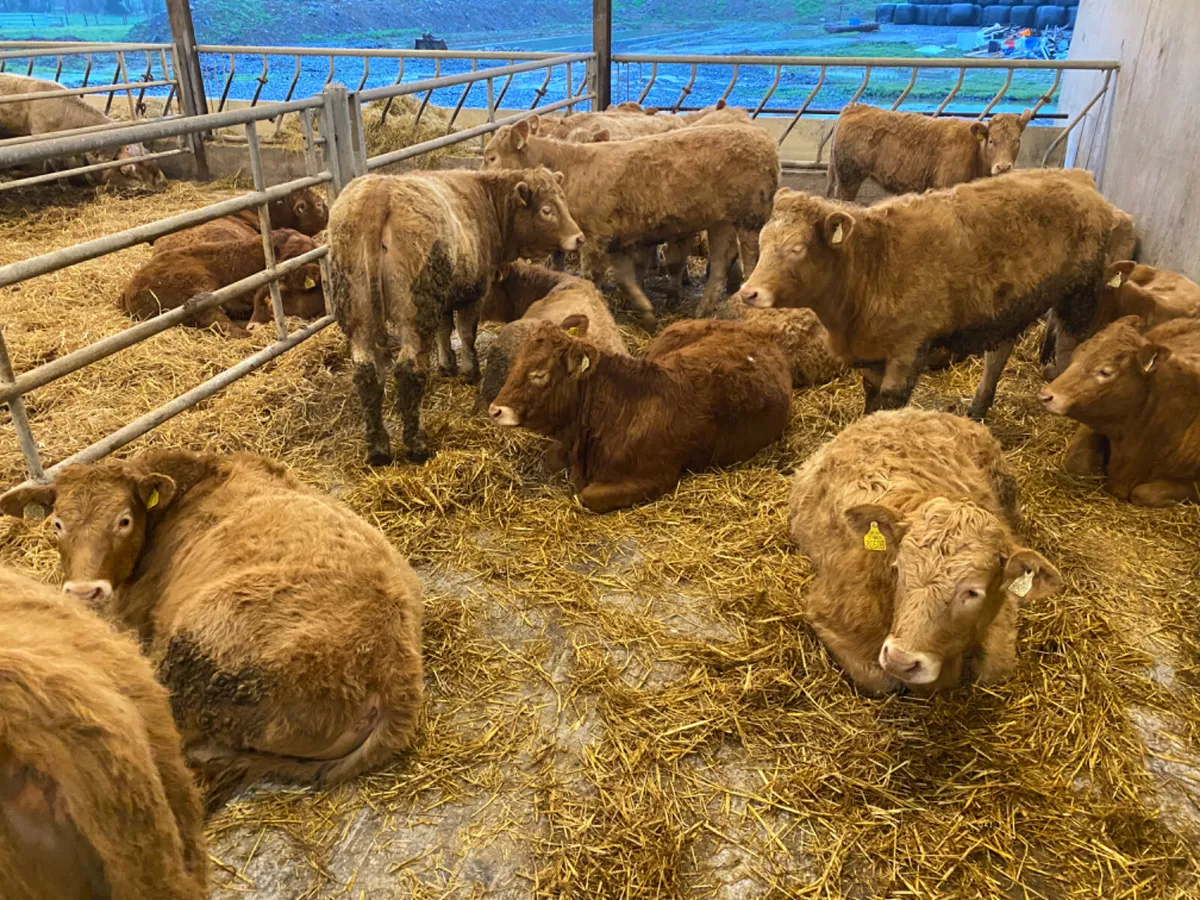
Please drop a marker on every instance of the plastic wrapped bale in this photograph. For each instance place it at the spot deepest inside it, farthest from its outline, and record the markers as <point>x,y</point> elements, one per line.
<point>1023,16</point>
<point>885,13</point>
<point>1010,2</point>
<point>1051,17</point>
<point>995,15</point>
<point>963,14</point>
<point>940,15</point>
<point>906,14</point>
<point>1069,3</point>
<point>1072,15</point>
<point>923,15</point>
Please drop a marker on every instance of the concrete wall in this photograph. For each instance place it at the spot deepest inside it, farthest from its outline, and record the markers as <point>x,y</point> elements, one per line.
<point>1144,144</point>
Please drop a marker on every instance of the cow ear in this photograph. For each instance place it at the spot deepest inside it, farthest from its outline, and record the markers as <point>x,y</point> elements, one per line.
<point>579,361</point>
<point>837,228</point>
<point>1119,272</point>
<point>1025,117</point>
<point>521,133</point>
<point>558,177</point>
<point>156,490</point>
<point>721,103</point>
<point>576,325</point>
<point>783,193</point>
<point>20,500</point>
<point>600,136</point>
<point>979,131</point>
<point>1151,356</point>
<point>524,193</point>
<point>1029,576</point>
<point>879,527</point>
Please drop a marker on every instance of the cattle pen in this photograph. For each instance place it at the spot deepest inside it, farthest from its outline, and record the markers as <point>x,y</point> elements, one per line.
<point>627,705</point>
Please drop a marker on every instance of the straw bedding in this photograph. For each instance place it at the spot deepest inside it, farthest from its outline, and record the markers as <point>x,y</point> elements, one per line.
<point>631,705</point>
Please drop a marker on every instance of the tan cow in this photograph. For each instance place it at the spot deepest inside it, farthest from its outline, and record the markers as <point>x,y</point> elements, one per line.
<point>37,117</point>
<point>799,334</point>
<point>908,519</point>
<point>95,799</point>
<point>910,152</point>
<point>287,629</point>
<point>302,210</point>
<point>966,270</point>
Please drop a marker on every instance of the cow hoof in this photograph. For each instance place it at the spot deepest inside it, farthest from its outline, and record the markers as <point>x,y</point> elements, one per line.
<point>419,454</point>
<point>448,371</point>
<point>648,324</point>
<point>379,458</point>
<point>471,376</point>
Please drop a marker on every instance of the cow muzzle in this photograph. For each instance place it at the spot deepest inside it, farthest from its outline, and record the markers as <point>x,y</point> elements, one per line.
<point>1052,402</point>
<point>504,415</point>
<point>573,243</point>
<point>910,666</point>
<point>90,592</point>
<point>756,297</point>
<point>1001,167</point>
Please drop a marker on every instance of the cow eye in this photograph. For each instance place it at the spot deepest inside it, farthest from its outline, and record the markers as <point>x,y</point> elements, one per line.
<point>539,377</point>
<point>490,159</point>
<point>125,522</point>
<point>547,211</point>
<point>971,596</point>
<point>1103,374</point>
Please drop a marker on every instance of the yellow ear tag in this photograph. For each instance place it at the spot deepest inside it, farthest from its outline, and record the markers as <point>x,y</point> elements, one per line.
<point>874,539</point>
<point>152,500</point>
<point>573,331</point>
<point>1115,281</point>
<point>309,284</point>
<point>34,511</point>
<point>583,366</point>
<point>1023,585</point>
<point>837,235</point>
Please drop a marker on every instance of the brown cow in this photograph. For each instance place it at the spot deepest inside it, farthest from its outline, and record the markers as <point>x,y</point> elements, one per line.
<point>300,291</point>
<point>524,295</point>
<point>412,255</point>
<point>95,799</point>
<point>171,278</point>
<point>910,152</point>
<point>907,517</point>
<point>302,210</point>
<point>286,629</point>
<point>1005,254</point>
<point>1138,397</point>
<point>706,393</point>
<point>37,117</point>
<point>799,334</point>
<point>630,194</point>
<point>625,124</point>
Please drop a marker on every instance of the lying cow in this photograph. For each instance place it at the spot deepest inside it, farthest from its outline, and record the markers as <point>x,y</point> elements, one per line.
<point>301,293</point>
<point>524,295</point>
<point>64,113</point>
<point>632,194</point>
<point>95,799</point>
<point>1138,398</point>
<point>799,334</point>
<point>302,210</point>
<point>281,662</point>
<point>909,152</point>
<point>171,278</point>
<point>706,393</point>
<point>967,270</point>
<point>413,255</point>
<point>626,124</point>
<point>907,517</point>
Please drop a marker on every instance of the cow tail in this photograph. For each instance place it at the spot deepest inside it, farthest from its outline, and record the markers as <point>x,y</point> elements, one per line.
<point>356,254</point>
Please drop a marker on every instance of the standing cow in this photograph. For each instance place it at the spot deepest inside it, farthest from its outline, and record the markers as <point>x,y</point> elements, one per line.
<point>411,256</point>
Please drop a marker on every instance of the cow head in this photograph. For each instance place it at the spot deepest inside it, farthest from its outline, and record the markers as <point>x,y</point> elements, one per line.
<point>801,253</point>
<point>136,173</point>
<point>540,221</point>
<point>953,565</point>
<point>1000,141</point>
<point>1109,377</point>
<point>544,385</point>
<point>99,514</point>
<point>300,291</point>
<point>507,148</point>
<point>302,210</point>
<point>289,243</point>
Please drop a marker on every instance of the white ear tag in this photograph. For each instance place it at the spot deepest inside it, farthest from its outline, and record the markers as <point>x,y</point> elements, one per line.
<point>837,235</point>
<point>583,366</point>
<point>1115,281</point>
<point>1023,585</point>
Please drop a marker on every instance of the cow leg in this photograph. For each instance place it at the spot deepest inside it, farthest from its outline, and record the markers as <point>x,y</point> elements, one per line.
<point>993,364</point>
<point>1165,493</point>
<point>1048,351</point>
<point>872,378</point>
<point>844,183</point>
<point>447,361</point>
<point>676,258</point>
<point>411,374</point>
<point>748,247</point>
<point>370,395</point>
<point>554,458</point>
<point>900,375</point>
<point>1087,453</point>
<point>603,496</point>
<point>467,320</point>
<point>1064,348</point>
<point>625,273</point>
<point>722,247</point>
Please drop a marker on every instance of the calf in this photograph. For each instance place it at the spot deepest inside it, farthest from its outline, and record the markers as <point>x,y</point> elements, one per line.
<point>907,518</point>
<point>413,255</point>
<point>799,334</point>
<point>301,293</point>
<point>302,210</point>
<point>706,393</point>
<point>910,153</point>
<point>170,278</point>
<point>95,799</point>
<point>280,661</point>
<point>1008,249</point>
<point>1138,396</point>
<point>632,194</point>
<point>524,295</point>
<point>55,113</point>
<point>626,123</point>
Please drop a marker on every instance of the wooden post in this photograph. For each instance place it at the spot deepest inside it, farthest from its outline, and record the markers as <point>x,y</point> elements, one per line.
<point>187,70</point>
<point>602,45</point>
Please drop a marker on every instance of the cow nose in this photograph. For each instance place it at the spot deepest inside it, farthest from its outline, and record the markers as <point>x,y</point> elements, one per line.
<point>755,297</point>
<point>89,591</point>
<point>495,411</point>
<point>1046,396</point>
<point>1001,168</point>
<point>574,242</point>
<point>901,663</point>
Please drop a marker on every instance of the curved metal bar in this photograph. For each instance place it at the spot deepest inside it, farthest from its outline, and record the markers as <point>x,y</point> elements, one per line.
<point>162,59</point>
<point>862,87</point>
<point>329,74</point>
<point>116,79</point>
<point>1049,95</point>
<point>366,73</point>
<point>462,99</point>
<point>687,89</point>
<point>541,92</point>
<point>87,73</point>
<point>1078,118</point>
<point>387,106</point>
<point>29,71</point>
<point>767,95</point>
<point>908,90</point>
<point>421,111</point>
<point>650,84</point>
<point>570,89</point>
<point>504,90</point>
<point>732,82</point>
<point>812,96</point>
<point>262,79</point>
<point>962,73</point>
<point>58,70</point>
<point>148,75</point>
<point>291,89</point>
<point>228,82</point>
<point>999,94</point>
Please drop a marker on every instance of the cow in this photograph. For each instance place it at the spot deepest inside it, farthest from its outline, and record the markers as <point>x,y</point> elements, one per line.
<point>908,518</point>
<point>1137,397</point>
<point>170,278</point>
<point>301,293</point>
<point>1153,295</point>
<point>706,393</point>
<point>413,255</point>
<point>967,270</point>
<point>626,124</point>
<point>95,799</point>
<point>64,113</point>
<point>280,661</point>
<point>524,295</point>
<point>911,152</point>
<point>302,210</point>
<point>632,194</point>
<point>799,334</point>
